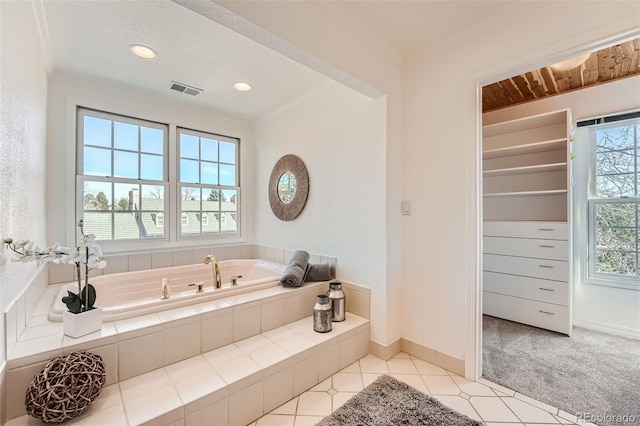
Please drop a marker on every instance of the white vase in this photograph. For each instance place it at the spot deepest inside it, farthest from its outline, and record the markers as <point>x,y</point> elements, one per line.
<point>76,325</point>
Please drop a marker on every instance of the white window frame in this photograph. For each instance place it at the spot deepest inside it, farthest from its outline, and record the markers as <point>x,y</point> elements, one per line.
<point>201,186</point>
<point>171,222</point>
<point>586,202</point>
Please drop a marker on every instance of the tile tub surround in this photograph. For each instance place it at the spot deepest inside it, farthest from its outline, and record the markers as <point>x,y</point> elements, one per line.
<point>231,385</point>
<point>166,337</point>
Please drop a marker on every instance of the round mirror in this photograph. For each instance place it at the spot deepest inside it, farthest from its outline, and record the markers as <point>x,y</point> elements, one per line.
<point>288,187</point>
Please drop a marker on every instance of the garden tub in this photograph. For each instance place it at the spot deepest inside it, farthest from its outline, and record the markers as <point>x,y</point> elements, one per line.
<point>130,294</point>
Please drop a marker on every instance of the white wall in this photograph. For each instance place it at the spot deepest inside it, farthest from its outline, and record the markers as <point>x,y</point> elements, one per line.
<point>610,309</point>
<point>314,35</point>
<point>340,136</point>
<point>440,260</point>
<point>23,85</point>
<point>66,91</point>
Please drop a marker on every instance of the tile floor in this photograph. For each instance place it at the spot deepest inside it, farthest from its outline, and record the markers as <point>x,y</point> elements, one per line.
<point>484,401</point>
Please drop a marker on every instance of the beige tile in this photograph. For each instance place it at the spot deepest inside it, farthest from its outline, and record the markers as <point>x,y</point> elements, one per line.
<point>145,383</point>
<point>253,343</point>
<point>472,388</point>
<point>162,404</point>
<point>206,415</point>
<point>373,365</point>
<point>222,355</point>
<point>217,331</point>
<point>272,315</point>
<point>314,404</point>
<point>460,405</point>
<point>441,385</point>
<point>542,405</point>
<point>305,374</point>
<point>324,385</point>
<point>187,368</point>
<point>496,387</point>
<point>352,368</point>
<point>246,322</point>
<point>347,382</point>
<point>289,407</point>
<point>140,355</point>
<point>182,257</point>
<point>401,366</point>
<point>113,416</point>
<point>269,355</point>
<point>328,362</point>
<point>368,378</point>
<point>18,381</point>
<point>528,413</point>
<point>295,344</point>
<point>238,369</point>
<point>279,389</point>
<point>184,313</point>
<point>348,352</point>
<point>181,342</point>
<point>139,262</point>
<point>109,396</point>
<point>199,386</point>
<point>413,380</point>
<point>161,259</point>
<point>492,409</point>
<point>340,398</point>
<point>307,420</point>
<point>279,334</point>
<point>426,368</point>
<point>245,406</point>
<point>109,355</point>
<point>138,326</point>
<point>276,420</point>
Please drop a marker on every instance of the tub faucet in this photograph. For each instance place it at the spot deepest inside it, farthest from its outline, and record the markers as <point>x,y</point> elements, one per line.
<point>217,280</point>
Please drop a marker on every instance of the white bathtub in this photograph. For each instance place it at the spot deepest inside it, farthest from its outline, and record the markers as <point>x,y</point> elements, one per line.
<point>137,293</point>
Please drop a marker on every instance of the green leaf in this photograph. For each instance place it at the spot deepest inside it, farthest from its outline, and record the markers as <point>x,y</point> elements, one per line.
<point>73,302</point>
<point>92,296</point>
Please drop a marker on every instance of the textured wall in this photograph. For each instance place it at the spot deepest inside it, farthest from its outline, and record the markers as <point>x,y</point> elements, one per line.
<point>23,89</point>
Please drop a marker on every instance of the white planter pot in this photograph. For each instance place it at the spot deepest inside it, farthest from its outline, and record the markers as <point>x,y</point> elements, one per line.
<point>76,325</point>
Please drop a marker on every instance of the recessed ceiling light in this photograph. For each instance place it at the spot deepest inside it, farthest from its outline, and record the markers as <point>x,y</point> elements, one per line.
<point>143,51</point>
<point>243,87</point>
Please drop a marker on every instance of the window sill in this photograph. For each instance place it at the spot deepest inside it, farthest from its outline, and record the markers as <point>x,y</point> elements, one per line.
<point>136,247</point>
<point>622,284</point>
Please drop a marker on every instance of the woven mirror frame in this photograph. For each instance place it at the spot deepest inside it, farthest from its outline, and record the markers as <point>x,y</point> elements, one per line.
<point>290,210</point>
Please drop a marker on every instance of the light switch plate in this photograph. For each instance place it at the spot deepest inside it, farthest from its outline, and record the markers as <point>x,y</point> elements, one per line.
<point>405,207</point>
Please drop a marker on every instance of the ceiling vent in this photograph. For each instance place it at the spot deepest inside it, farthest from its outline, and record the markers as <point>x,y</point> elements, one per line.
<point>184,88</point>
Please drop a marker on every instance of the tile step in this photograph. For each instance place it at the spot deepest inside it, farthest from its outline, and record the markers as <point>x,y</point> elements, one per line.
<point>231,385</point>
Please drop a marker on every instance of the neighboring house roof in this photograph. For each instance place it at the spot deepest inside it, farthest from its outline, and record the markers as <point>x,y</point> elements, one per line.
<point>133,224</point>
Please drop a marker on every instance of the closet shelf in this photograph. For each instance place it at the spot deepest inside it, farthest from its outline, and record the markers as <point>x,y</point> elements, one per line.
<point>538,168</point>
<point>550,145</point>
<point>525,193</point>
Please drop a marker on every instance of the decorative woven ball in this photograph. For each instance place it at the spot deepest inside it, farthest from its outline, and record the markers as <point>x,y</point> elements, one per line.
<point>65,387</point>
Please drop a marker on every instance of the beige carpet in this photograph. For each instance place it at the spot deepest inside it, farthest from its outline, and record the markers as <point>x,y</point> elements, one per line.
<point>592,375</point>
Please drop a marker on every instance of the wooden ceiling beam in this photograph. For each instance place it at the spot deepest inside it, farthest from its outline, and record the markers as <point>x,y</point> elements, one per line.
<point>512,91</point>
<point>550,82</point>
<point>523,87</point>
<point>534,83</point>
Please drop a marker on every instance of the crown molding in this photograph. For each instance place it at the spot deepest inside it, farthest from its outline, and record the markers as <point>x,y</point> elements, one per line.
<point>43,33</point>
<point>347,20</point>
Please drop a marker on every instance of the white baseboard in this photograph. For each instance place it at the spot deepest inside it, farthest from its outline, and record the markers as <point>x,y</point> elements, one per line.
<point>632,333</point>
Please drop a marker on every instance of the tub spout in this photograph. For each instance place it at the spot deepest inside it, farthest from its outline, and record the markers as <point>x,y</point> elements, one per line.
<point>217,279</point>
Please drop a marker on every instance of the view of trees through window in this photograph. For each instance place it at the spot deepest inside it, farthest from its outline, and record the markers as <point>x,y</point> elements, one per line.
<point>614,199</point>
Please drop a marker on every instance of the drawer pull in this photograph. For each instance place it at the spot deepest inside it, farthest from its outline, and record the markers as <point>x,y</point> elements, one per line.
<point>546,289</point>
<point>546,266</point>
<point>546,246</point>
<point>546,312</point>
<point>546,229</point>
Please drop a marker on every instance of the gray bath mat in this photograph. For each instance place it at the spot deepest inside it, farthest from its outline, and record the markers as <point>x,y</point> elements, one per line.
<point>389,402</point>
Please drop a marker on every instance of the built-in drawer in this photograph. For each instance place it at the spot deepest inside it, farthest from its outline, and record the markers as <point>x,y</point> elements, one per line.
<point>539,314</point>
<point>549,291</point>
<point>527,247</point>
<point>528,267</point>
<point>526,229</point>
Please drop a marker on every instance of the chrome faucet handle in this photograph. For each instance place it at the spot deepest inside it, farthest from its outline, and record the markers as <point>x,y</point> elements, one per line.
<point>199,286</point>
<point>234,279</point>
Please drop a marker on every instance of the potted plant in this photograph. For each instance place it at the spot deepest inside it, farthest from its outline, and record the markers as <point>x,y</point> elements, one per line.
<point>82,316</point>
